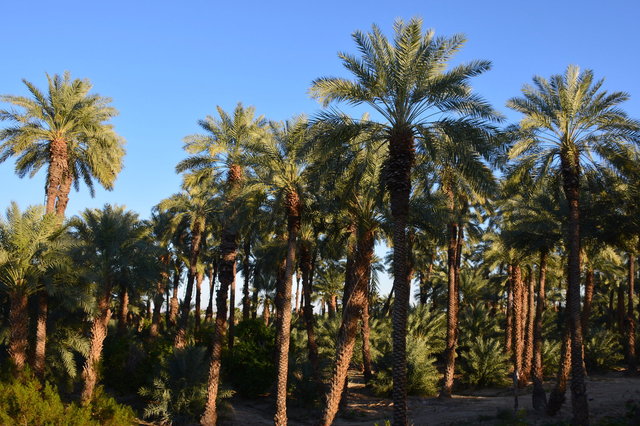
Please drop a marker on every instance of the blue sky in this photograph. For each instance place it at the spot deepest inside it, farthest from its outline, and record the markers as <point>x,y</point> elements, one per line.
<point>168,64</point>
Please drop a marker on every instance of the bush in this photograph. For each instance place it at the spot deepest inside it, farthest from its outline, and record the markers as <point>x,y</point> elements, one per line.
<point>249,367</point>
<point>602,350</point>
<point>422,375</point>
<point>484,363</point>
<point>550,357</point>
<point>26,401</point>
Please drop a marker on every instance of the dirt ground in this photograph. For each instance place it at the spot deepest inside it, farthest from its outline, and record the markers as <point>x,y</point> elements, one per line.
<point>610,398</point>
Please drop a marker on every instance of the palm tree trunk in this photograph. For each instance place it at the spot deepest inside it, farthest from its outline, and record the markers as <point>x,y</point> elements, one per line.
<point>557,395</point>
<point>63,194</point>
<point>588,297</point>
<point>232,313</point>
<point>518,343</point>
<point>400,162</point>
<point>630,320</point>
<point>213,273</point>
<point>173,307</point>
<point>539,396</point>
<point>98,334</point>
<point>509,327</point>
<point>353,309</point>
<point>181,334</point>
<point>366,342</point>
<point>158,298</point>
<point>283,305</point>
<point>123,311</point>
<point>199,278</point>
<point>452,314</point>
<point>246,301</point>
<point>58,166</point>
<point>570,175</point>
<point>306,262</point>
<point>227,274</point>
<point>266,313</point>
<point>530,320</point>
<point>41,334</point>
<point>18,324</point>
<point>332,305</point>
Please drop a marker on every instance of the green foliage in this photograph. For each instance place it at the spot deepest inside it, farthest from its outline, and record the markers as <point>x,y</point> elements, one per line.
<point>26,401</point>
<point>249,367</point>
<point>422,375</point>
<point>550,356</point>
<point>602,350</point>
<point>484,363</point>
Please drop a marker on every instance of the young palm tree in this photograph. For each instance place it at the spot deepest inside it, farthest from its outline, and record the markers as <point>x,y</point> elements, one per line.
<point>217,158</point>
<point>407,83</point>
<point>567,119</point>
<point>113,248</point>
<point>26,253</point>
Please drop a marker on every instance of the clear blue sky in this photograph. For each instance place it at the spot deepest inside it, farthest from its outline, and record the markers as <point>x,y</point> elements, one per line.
<point>167,64</point>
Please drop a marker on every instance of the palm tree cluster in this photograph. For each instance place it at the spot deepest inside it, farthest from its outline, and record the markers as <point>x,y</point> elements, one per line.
<point>306,202</point>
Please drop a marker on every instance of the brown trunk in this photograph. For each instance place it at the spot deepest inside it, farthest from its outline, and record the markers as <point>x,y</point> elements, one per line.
<point>509,327</point>
<point>199,278</point>
<point>588,297</point>
<point>630,319</point>
<point>123,312</point>
<point>539,396</point>
<point>557,395</point>
<point>571,186</point>
<point>530,320</point>
<point>41,334</point>
<point>246,301</point>
<point>353,307</point>
<point>366,343</point>
<point>424,282</point>
<point>18,324</point>
<point>518,343</point>
<point>213,273</point>
<point>196,238</point>
<point>452,309</point>
<point>158,298</point>
<point>232,314</point>
<point>332,305</point>
<point>306,262</point>
<point>283,305</point>
<point>63,194</point>
<point>296,306</point>
<point>266,314</point>
<point>98,334</point>
<point>398,179</point>
<point>58,169</point>
<point>173,307</point>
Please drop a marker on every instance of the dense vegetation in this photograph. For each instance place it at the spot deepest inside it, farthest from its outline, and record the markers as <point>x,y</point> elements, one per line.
<point>529,275</point>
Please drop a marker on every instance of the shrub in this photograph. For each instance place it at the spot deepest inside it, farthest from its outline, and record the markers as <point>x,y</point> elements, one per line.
<point>550,356</point>
<point>484,363</point>
<point>602,350</point>
<point>249,367</point>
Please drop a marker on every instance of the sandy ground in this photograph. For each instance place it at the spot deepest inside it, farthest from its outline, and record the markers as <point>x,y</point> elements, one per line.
<point>610,397</point>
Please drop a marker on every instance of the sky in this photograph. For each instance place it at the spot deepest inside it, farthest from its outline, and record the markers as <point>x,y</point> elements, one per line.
<point>167,64</point>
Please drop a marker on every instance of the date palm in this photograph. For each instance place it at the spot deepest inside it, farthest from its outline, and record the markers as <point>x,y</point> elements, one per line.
<point>406,82</point>
<point>569,124</point>
<point>26,253</point>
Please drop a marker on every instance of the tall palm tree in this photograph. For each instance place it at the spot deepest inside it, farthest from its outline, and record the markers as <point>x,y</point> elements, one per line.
<point>217,158</point>
<point>407,83</point>
<point>113,248</point>
<point>567,119</point>
<point>26,253</point>
<point>67,130</point>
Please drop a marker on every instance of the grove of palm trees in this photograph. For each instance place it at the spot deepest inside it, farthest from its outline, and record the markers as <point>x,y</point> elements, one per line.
<point>424,260</point>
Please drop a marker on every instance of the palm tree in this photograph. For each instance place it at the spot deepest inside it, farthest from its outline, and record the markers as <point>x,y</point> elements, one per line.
<point>406,83</point>
<point>113,249</point>
<point>67,130</point>
<point>218,156</point>
<point>26,253</point>
<point>566,119</point>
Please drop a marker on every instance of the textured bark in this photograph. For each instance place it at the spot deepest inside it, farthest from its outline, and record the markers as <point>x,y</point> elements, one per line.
<point>266,312</point>
<point>588,297</point>
<point>246,301</point>
<point>173,306</point>
<point>123,312</point>
<point>296,306</point>
<point>366,343</point>
<point>213,274</point>
<point>528,335</point>
<point>306,263</point>
<point>398,179</point>
<point>158,298</point>
<point>538,395</point>
<point>630,320</point>
<point>231,334</point>
<point>332,305</point>
<point>557,395</point>
<point>18,334</point>
<point>424,278</point>
<point>63,194</point>
<point>58,166</point>
<point>571,186</point>
<point>518,343</point>
<point>98,334</point>
<point>353,307</point>
<point>194,252</point>
<point>509,327</point>
<point>283,305</point>
<point>199,278</point>
<point>452,311</point>
<point>41,335</point>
